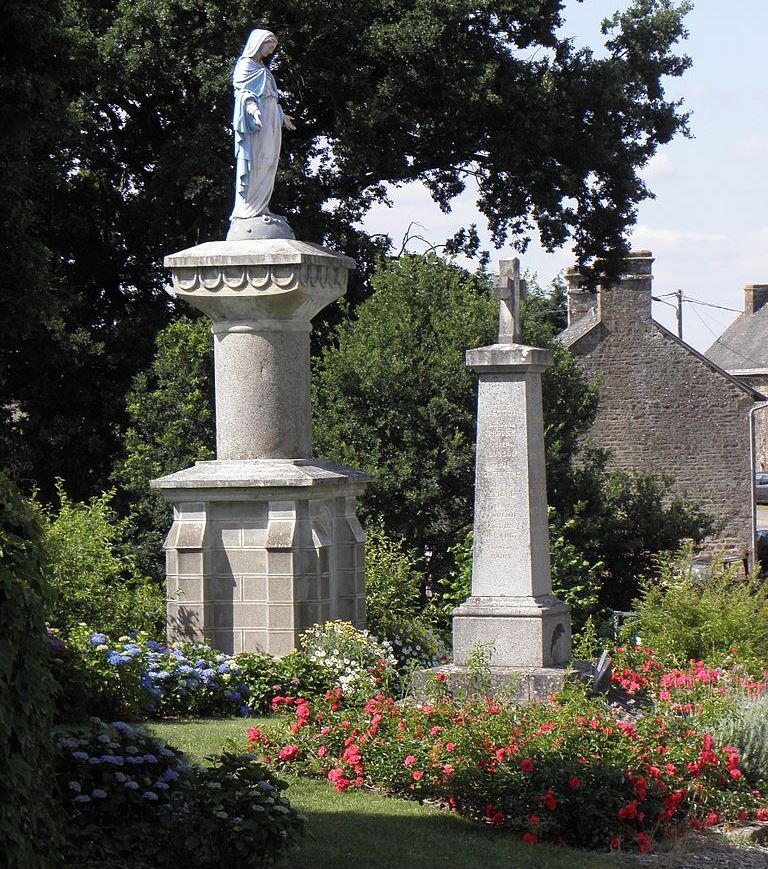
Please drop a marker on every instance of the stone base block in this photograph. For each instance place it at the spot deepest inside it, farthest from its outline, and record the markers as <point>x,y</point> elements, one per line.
<point>517,685</point>
<point>520,632</point>
<point>261,550</point>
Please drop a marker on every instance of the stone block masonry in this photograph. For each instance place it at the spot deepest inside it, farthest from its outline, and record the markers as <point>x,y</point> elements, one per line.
<point>664,408</point>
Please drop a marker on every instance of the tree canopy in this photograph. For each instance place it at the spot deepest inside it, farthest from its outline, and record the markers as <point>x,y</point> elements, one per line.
<point>137,154</point>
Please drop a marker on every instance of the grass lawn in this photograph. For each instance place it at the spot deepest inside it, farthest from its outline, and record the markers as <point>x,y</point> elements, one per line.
<point>362,830</point>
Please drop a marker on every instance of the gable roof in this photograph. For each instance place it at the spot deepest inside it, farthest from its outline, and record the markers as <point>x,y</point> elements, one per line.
<point>579,328</point>
<point>744,344</point>
<point>584,325</point>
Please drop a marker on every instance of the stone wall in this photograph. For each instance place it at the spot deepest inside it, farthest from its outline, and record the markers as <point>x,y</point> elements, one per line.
<point>760,383</point>
<point>665,409</point>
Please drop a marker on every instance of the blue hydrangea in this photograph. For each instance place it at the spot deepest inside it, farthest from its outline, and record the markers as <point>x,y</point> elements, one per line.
<point>79,755</point>
<point>82,798</point>
<point>131,785</point>
<point>75,786</point>
<point>116,759</point>
<point>99,639</point>
<point>98,794</point>
<point>150,795</point>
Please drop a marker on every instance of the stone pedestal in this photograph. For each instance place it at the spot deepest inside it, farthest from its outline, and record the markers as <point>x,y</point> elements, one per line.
<point>511,608</point>
<point>264,542</point>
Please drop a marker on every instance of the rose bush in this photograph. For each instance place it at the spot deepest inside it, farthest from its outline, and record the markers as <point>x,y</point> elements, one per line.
<point>572,772</point>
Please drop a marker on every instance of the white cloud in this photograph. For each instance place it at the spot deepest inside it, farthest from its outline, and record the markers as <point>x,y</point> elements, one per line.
<point>644,234</point>
<point>751,147</point>
<point>659,166</point>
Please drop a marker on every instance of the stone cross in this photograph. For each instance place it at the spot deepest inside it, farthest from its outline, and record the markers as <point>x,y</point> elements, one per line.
<point>508,288</point>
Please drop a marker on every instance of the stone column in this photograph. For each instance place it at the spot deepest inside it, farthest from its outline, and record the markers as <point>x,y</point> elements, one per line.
<point>265,541</point>
<point>511,607</point>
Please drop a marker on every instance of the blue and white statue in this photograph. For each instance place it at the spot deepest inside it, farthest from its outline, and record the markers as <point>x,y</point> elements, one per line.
<point>258,123</point>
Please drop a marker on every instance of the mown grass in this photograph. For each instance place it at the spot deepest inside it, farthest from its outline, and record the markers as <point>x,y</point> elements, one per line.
<point>363,830</point>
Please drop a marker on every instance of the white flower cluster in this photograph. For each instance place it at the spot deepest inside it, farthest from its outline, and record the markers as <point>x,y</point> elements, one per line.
<point>359,660</point>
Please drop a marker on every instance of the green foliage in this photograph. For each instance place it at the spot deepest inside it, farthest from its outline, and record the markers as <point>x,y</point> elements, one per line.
<point>29,826</point>
<point>393,582</point>
<point>392,394</point>
<point>93,577</point>
<point>170,426</point>
<point>574,579</point>
<point>615,523</point>
<point>294,675</point>
<point>144,804</point>
<point>106,690</point>
<point>685,617</point>
<point>745,727</point>
<point>238,816</point>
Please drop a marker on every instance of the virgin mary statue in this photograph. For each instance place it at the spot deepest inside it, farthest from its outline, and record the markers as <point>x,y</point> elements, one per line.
<point>258,122</point>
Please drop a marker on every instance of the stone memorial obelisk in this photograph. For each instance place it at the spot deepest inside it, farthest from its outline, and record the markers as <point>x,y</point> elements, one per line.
<point>265,542</point>
<point>512,609</point>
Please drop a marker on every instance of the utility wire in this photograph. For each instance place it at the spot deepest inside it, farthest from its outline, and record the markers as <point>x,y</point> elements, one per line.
<point>723,344</point>
<point>710,305</point>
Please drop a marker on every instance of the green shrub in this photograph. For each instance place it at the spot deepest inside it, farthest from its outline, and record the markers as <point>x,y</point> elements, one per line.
<point>94,579</point>
<point>237,816</point>
<point>293,675</point>
<point>129,798</point>
<point>745,727</point>
<point>414,643</point>
<point>683,617</point>
<point>393,581</point>
<point>30,819</point>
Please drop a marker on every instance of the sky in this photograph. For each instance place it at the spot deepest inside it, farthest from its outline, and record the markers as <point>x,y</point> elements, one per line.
<point>708,225</point>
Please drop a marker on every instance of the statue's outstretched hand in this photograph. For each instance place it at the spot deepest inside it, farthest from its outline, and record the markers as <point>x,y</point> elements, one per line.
<point>288,122</point>
<point>253,111</point>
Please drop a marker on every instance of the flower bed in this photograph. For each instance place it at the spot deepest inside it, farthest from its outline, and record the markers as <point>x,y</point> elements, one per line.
<point>137,676</point>
<point>127,796</point>
<point>571,773</point>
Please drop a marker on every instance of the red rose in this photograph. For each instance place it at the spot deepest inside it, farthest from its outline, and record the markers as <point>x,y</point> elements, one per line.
<point>526,766</point>
<point>574,783</point>
<point>289,752</point>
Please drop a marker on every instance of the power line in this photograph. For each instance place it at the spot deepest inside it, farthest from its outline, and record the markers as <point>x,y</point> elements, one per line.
<point>709,304</point>
<point>723,344</point>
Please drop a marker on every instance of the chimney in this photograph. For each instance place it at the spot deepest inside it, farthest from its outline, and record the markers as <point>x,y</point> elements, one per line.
<point>755,296</point>
<point>580,301</point>
<point>627,302</point>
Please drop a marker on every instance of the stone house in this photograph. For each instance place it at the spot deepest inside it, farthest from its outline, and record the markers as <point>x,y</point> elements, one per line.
<point>664,407</point>
<point>742,350</point>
